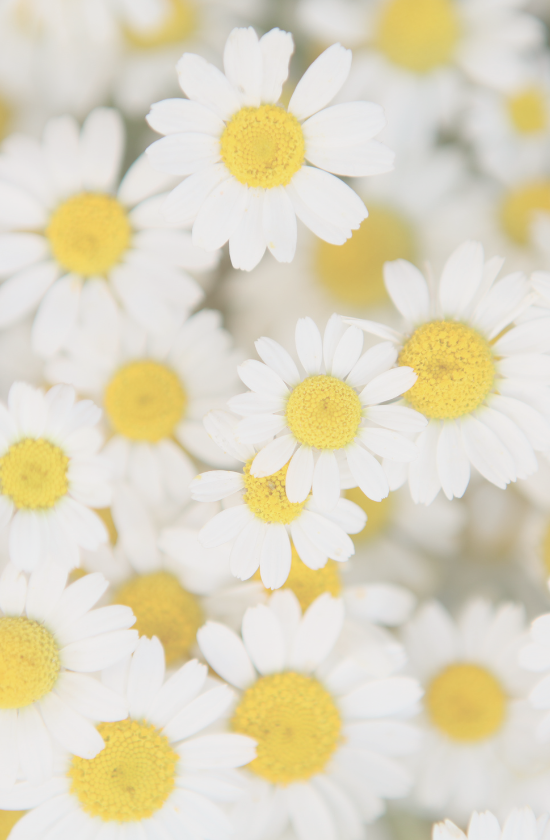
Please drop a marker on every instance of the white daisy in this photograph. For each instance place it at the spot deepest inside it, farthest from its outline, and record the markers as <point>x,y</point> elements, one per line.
<point>246,156</point>
<point>535,657</point>
<point>49,642</point>
<point>327,420</point>
<point>154,392</point>
<point>50,475</point>
<point>67,224</point>
<point>479,391</point>
<point>328,738</point>
<point>520,824</point>
<point>156,776</point>
<point>475,695</point>
<point>260,520</point>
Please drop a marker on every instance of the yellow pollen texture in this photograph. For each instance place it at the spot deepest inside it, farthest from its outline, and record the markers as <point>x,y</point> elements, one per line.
<point>378,513</point>
<point>29,662</point>
<point>418,34</point>
<point>466,702</point>
<point>145,400</point>
<point>178,25</point>
<point>307,584</point>
<point>263,147</point>
<point>163,608</point>
<point>267,499</point>
<point>324,412</point>
<point>520,206</point>
<point>33,474</point>
<point>295,722</point>
<point>528,111</point>
<point>352,272</point>
<point>455,369</point>
<point>131,778</point>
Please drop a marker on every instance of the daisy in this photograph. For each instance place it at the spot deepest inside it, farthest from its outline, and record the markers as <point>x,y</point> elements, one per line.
<point>49,643</point>
<point>154,392</point>
<point>477,388</point>
<point>475,696</point>
<point>519,825</point>
<point>50,475</point>
<point>327,419</point>
<point>246,156</point>
<point>68,225</point>
<point>260,520</point>
<point>328,738</point>
<point>156,776</point>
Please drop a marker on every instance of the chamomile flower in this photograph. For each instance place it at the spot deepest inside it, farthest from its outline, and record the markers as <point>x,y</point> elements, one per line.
<point>49,643</point>
<point>156,776</point>
<point>248,158</point>
<point>535,657</point>
<point>50,475</point>
<point>476,387</point>
<point>520,824</point>
<point>68,224</point>
<point>328,738</point>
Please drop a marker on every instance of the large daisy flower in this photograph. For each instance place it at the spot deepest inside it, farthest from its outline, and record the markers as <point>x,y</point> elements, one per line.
<point>69,224</point>
<point>520,824</point>
<point>156,776</point>
<point>328,745</point>
<point>480,390</point>
<point>50,475</point>
<point>247,157</point>
<point>49,642</point>
<point>326,421</point>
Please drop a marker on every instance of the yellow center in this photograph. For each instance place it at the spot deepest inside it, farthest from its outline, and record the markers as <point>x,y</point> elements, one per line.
<point>33,473</point>
<point>267,499</point>
<point>520,207</point>
<point>163,608</point>
<point>466,702</point>
<point>527,111</point>
<point>7,822</point>
<point>107,518</point>
<point>308,584</point>
<point>145,401</point>
<point>353,272</point>
<point>131,778</point>
<point>455,369</point>
<point>263,147</point>
<point>29,662</point>
<point>378,513</point>
<point>418,34</point>
<point>88,233</point>
<point>178,25</point>
<point>324,412</point>
<point>295,722</point>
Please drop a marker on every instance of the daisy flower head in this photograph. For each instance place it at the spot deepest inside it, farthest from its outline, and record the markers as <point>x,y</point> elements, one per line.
<point>50,641</point>
<point>156,776</point>
<point>253,165</point>
<point>520,824</point>
<point>328,738</point>
<point>69,224</point>
<point>51,475</point>
<point>481,391</point>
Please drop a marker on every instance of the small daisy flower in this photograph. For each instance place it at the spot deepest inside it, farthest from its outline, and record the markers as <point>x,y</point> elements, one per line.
<point>248,158</point>
<point>520,824</point>
<point>50,475</point>
<point>477,388</point>
<point>49,643</point>
<point>67,223</point>
<point>328,738</point>
<point>475,695</point>
<point>156,776</point>
<point>535,657</point>
<point>329,419</point>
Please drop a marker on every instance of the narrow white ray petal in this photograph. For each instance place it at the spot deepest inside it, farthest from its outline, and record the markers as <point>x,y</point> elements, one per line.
<point>424,481</point>
<point>388,385</point>
<point>461,277</point>
<point>275,556</point>
<point>226,654</point>
<point>321,82</point>
<point>274,456</point>
<point>279,224</point>
<point>309,346</point>
<point>408,290</point>
<point>247,549</point>
<point>276,47</point>
<point>453,465</point>
<point>260,427</point>
<point>367,472</point>
<point>388,444</point>
<point>487,453</point>
<point>263,638</point>
<point>326,481</point>
<point>277,358</point>
<point>373,362</point>
<point>204,83</point>
<point>347,352</point>
<point>400,418</point>
<point>225,526</point>
<point>262,379</point>
<point>243,65</point>
<point>299,475</point>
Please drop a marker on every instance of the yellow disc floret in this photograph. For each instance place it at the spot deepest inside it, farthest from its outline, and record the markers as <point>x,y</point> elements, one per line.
<point>263,147</point>
<point>7,822</point>
<point>296,725</point>
<point>520,206</point>
<point>107,518</point>
<point>29,662</point>
<point>455,369</point>
<point>88,233</point>
<point>352,272</point>
<point>131,778</point>
<point>177,25</point>
<point>466,702</point>
<point>145,400</point>
<point>324,412</point>
<point>378,513</point>
<point>33,473</point>
<point>528,111</point>
<point>163,608</point>
<point>267,499</point>
<point>308,584</point>
<point>418,34</point>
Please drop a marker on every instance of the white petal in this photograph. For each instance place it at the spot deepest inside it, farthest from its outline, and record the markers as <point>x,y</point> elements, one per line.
<point>175,116</point>
<point>349,516</point>
<point>453,466</point>
<point>461,277</point>
<point>19,209</point>
<point>8,747</point>
<point>277,358</point>
<point>260,427</point>
<point>344,125</point>
<point>279,224</point>
<point>487,453</point>
<point>184,202</point>
<point>13,591</point>
<point>184,154</point>
<point>275,557</point>
<point>23,291</point>
<point>243,64</point>
<point>46,585</point>
<point>225,526</point>
<point>25,543</point>
<point>532,337</point>
<point>400,418</point>
<point>34,745</point>
<point>56,316</point>
<point>326,536</point>
<point>313,557</point>
<point>263,639</point>
<point>276,47</point>
<point>61,142</point>
<point>204,83</point>
<point>226,654</point>
<point>388,444</point>
<point>334,331</point>
<point>101,149</point>
<point>513,439</point>
<point>247,243</point>
<point>381,698</point>
<point>367,472</point>
<point>309,346</point>
<point>321,82</point>
<point>374,361</point>
<point>72,731</point>
<point>90,698</point>
<point>359,161</point>
<point>326,204</point>
<point>216,485</point>
<point>326,481</point>
<point>347,353</point>
<point>145,676</point>
<point>299,475</point>
<point>310,815</point>
<point>220,215</point>
<point>317,633</point>
<point>408,290</point>
<point>20,250</point>
<point>247,548</point>
<point>99,652</point>
<point>217,751</point>
<point>179,690</point>
<point>250,404</point>
<point>262,379</point>
<point>273,457</point>
<point>388,385</point>
<point>424,480</point>
<point>534,426</point>
<point>200,713</point>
